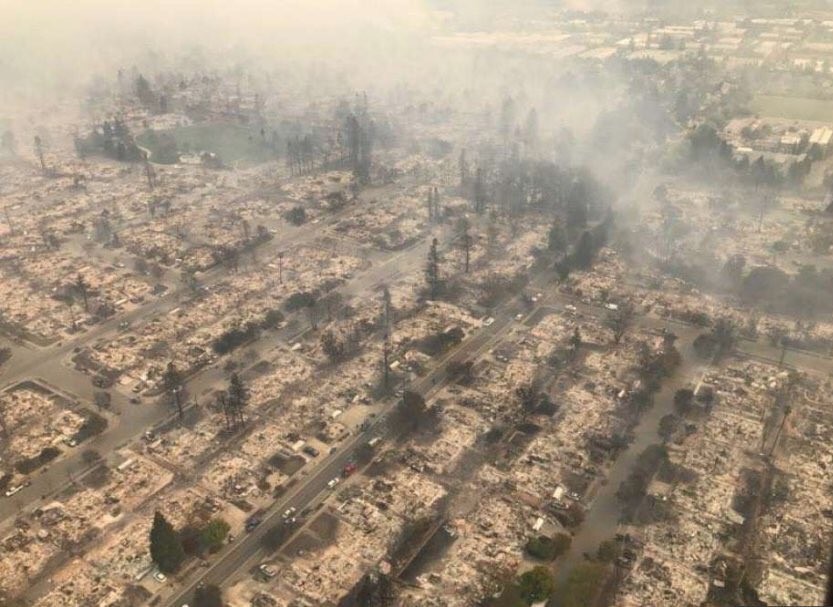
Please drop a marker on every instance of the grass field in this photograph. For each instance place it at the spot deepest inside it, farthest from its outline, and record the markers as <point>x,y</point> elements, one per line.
<point>794,108</point>
<point>231,142</point>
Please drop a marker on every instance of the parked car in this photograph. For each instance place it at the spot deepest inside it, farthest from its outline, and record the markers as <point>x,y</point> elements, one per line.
<point>267,570</point>
<point>252,522</point>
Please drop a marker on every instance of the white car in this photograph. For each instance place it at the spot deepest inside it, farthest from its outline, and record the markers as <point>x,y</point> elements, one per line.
<point>519,316</point>
<point>159,576</point>
<point>488,321</point>
<point>570,307</point>
<point>611,306</point>
<point>267,570</point>
<point>333,483</point>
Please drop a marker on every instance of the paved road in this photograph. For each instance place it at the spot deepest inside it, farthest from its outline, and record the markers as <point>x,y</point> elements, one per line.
<point>52,364</point>
<point>248,549</point>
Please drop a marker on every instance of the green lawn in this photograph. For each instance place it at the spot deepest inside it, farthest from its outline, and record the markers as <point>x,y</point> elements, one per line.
<point>795,108</point>
<point>231,142</point>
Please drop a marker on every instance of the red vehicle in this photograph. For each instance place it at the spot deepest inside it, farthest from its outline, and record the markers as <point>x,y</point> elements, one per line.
<point>349,469</point>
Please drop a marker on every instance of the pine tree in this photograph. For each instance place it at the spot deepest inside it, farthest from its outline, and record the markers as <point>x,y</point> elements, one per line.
<point>583,255</point>
<point>165,545</point>
<point>172,383</point>
<point>479,192</point>
<point>464,170</point>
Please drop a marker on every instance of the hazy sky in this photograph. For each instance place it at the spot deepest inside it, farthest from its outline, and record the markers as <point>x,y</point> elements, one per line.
<point>45,39</point>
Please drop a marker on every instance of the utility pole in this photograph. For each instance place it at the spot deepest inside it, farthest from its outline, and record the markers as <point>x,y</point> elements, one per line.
<point>149,173</point>
<point>783,352</point>
<point>8,219</point>
<point>387,326</point>
<point>787,411</point>
<point>386,312</point>
<point>433,268</point>
<point>385,359</point>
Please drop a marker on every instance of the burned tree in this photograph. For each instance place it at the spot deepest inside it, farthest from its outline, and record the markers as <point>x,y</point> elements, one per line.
<point>575,340</point>
<point>332,346</point>
<point>82,288</point>
<point>619,320</point>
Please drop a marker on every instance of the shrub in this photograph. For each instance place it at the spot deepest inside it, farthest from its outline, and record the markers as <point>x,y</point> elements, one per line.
<point>296,216</point>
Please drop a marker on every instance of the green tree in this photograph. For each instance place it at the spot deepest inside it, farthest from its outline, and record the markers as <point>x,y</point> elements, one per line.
<point>237,397</point>
<point>333,346</point>
<point>668,425</point>
<point>83,288</point>
<point>208,596</point>
<point>548,548</point>
<point>465,239</point>
<point>585,250</point>
<point>557,237</point>
<point>535,585</point>
<point>608,551</point>
<point>165,545</point>
<point>172,383</point>
<point>619,320</point>
<point>214,534</point>
<point>296,216</point>
<point>432,270</point>
<point>683,400</point>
